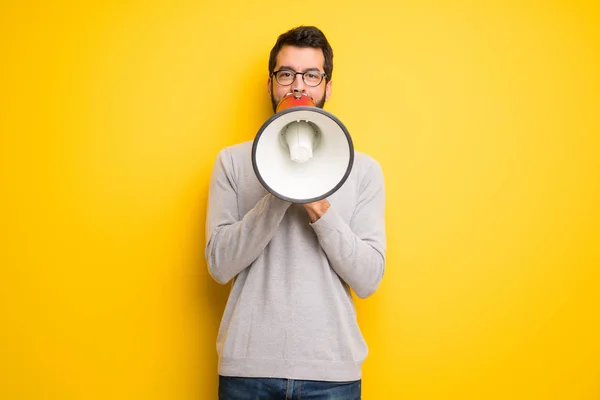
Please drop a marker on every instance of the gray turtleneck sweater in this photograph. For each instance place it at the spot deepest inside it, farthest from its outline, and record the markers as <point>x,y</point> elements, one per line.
<point>290,312</point>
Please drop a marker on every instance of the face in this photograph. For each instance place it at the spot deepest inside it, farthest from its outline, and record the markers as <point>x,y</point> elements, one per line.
<point>300,59</point>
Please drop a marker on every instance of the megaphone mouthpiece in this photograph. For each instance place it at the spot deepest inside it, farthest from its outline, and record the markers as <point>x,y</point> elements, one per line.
<point>300,138</point>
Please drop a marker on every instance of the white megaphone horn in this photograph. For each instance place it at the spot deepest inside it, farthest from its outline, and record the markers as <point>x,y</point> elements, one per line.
<point>302,153</point>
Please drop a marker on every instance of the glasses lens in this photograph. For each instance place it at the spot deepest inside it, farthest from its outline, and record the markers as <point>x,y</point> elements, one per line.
<point>312,78</point>
<point>285,77</point>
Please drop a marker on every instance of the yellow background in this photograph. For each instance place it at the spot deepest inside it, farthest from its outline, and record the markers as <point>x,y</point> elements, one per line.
<point>483,115</point>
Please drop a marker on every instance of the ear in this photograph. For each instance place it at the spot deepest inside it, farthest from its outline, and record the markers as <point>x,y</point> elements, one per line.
<point>269,85</point>
<point>328,89</point>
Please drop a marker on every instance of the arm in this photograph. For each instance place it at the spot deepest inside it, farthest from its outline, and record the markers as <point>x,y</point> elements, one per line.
<point>356,251</point>
<point>233,243</point>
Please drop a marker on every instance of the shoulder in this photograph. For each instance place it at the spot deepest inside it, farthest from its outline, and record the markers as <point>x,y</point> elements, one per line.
<point>236,155</point>
<point>366,166</point>
<point>237,151</point>
<point>236,162</point>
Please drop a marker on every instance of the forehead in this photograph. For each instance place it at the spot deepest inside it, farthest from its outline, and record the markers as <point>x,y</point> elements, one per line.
<point>300,58</point>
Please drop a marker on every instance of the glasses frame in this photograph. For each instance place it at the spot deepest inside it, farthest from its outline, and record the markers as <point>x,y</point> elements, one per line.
<point>322,74</point>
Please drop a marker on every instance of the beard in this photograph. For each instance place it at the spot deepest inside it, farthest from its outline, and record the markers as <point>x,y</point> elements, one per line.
<point>318,102</point>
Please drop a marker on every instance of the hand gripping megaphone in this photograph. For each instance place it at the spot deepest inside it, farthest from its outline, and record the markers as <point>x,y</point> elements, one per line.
<point>302,153</point>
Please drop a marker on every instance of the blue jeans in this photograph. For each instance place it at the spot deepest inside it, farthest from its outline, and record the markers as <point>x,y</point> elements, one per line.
<point>234,388</point>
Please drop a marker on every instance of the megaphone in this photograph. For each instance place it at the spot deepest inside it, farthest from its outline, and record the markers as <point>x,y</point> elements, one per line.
<point>302,153</point>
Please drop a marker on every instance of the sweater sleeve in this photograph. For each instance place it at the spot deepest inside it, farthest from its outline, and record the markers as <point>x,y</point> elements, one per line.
<point>356,251</point>
<point>233,243</point>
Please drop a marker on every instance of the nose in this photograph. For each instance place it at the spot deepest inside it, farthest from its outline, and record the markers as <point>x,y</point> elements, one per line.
<point>298,83</point>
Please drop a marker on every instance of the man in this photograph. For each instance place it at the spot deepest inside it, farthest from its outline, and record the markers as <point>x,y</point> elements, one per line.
<point>289,329</point>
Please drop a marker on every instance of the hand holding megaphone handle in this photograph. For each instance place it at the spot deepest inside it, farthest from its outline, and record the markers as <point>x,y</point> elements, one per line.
<point>316,209</point>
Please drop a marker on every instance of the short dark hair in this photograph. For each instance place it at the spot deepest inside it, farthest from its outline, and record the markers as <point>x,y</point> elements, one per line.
<point>304,36</point>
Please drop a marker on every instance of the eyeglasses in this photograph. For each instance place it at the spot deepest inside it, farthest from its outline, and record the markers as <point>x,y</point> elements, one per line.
<point>286,77</point>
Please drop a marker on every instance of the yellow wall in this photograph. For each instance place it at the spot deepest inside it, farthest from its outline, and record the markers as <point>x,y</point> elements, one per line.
<point>483,115</point>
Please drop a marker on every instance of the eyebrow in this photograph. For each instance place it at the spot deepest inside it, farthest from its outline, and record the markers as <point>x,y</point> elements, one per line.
<point>292,69</point>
